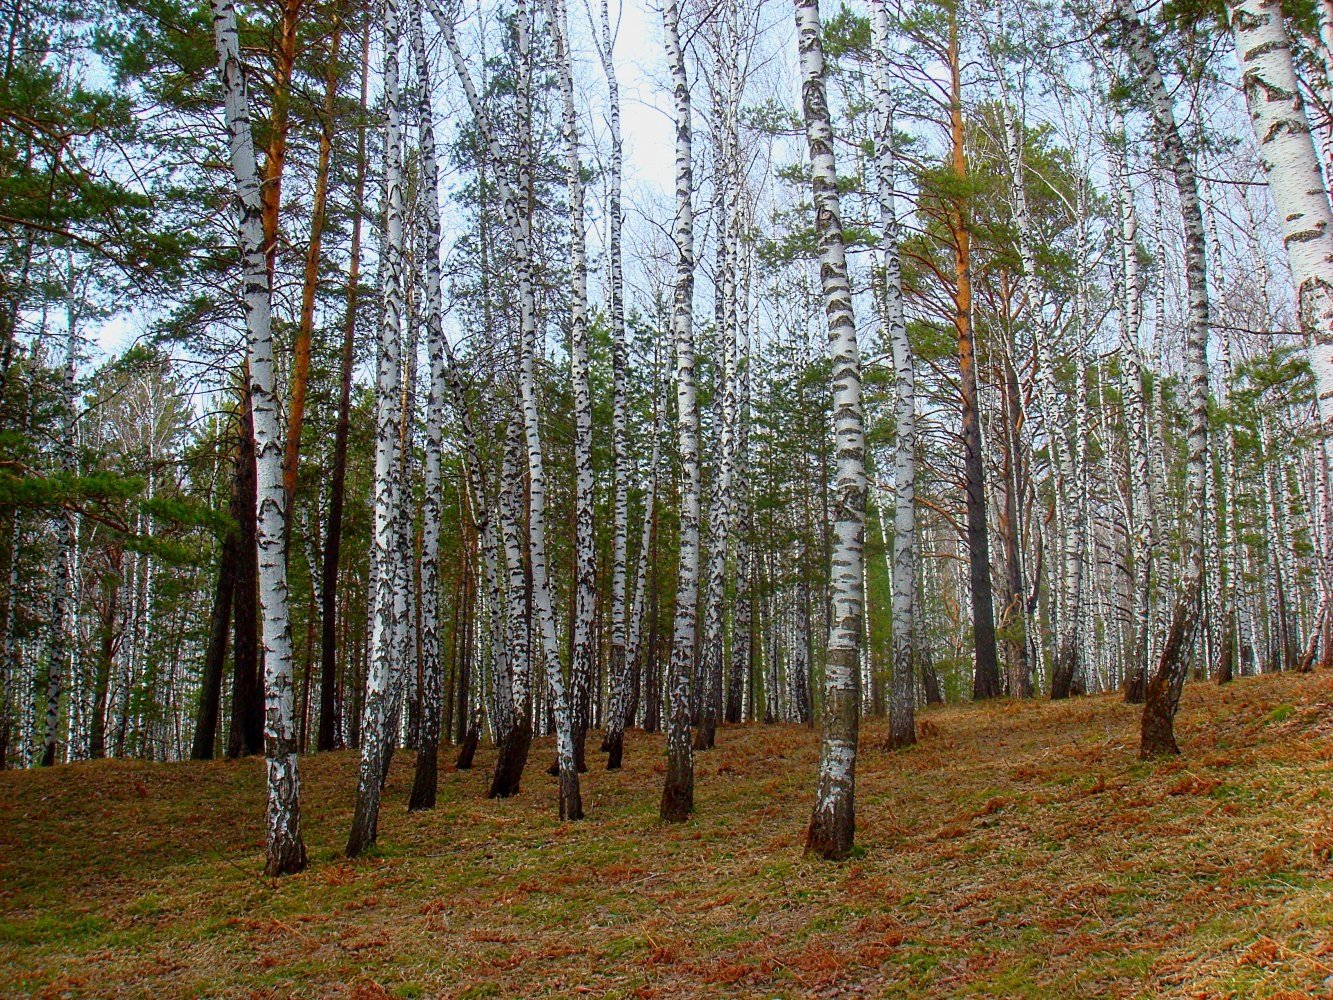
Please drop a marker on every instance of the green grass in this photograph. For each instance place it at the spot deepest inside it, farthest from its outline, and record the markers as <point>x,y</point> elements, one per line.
<point>1019,850</point>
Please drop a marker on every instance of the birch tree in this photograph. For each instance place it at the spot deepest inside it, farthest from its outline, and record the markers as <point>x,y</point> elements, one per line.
<point>833,823</point>
<point>1162,695</point>
<point>384,610</point>
<point>902,702</point>
<point>678,789</point>
<point>285,850</point>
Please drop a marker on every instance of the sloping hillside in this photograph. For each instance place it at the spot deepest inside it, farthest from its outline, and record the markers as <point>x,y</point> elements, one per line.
<point>1019,850</point>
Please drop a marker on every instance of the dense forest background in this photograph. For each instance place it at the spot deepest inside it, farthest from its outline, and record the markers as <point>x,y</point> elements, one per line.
<point>474,263</point>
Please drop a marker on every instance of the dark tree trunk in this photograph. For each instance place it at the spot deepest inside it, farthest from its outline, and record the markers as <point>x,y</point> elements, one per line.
<point>247,694</point>
<point>930,680</point>
<point>106,656</point>
<point>210,686</point>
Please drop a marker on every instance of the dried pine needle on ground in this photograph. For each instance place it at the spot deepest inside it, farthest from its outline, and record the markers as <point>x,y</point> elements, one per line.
<point>1019,850</point>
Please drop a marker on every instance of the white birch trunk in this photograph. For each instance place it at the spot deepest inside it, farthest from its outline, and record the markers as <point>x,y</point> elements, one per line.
<point>570,804</point>
<point>620,666</point>
<point>286,851</point>
<point>1163,693</point>
<point>585,540</point>
<point>379,675</point>
<point>902,697</point>
<point>678,789</point>
<point>832,825</point>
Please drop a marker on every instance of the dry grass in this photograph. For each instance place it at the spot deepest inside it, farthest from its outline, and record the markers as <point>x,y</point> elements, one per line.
<point>1020,850</point>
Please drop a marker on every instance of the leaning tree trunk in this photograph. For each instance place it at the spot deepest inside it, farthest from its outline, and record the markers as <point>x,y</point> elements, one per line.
<point>383,629</point>
<point>1162,696</point>
<point>902,702</point>
<point>286,851</point>
<point>210,685</point>
<point>833,823</point>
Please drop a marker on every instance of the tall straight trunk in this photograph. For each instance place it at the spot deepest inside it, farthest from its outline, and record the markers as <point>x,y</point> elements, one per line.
<point>384,626</point>
<point>424,784</point>
<point>1142,516</point>
<point>329,736</point>
<point>310,282</point>
<point>613,743</point>
<point>517,740</point>
<point>986,674</point>
<point>833,822</point>
<point>585,539</point>
<point>640,660</point>
<point>902,703</point>
<point>571,806</point>
<point>246,737</point>
<point>1162,696</point>
<point>743,518</point>
<point>722,509</point>
<point>678,789</point>
<point>286,851</point>
<point>58,640</point>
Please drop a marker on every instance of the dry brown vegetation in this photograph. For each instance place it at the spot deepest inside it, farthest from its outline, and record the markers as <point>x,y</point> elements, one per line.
<point>1019,850</point>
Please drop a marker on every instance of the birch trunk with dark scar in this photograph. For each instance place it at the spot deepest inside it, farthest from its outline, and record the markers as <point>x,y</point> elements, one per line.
<point>383,629</point>
<point>614,738</point>
<point>571,806</point>
<point>1305,218</point>
<point>285,850</point>
<point>585,540</point>
<point>678,789</point>
<point>902,701</point>
<point>1162,696</point>
<point>833,822</point>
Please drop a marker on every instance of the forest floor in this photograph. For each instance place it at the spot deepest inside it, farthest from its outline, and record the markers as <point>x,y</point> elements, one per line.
<point>1019,850</point>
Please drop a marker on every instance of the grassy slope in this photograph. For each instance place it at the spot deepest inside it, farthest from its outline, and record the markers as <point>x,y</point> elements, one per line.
<point>1019,850</point>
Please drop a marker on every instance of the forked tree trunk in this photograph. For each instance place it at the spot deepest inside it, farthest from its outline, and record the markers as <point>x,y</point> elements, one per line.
<point>286,851</point>
<point>833,822</point>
